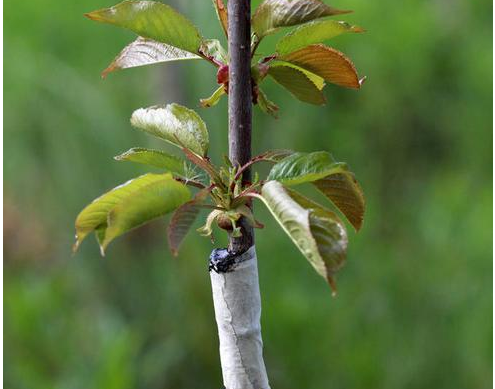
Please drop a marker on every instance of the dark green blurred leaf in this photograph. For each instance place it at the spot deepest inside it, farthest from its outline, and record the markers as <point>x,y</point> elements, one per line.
<point>145,51</point>
<point>174,123</point>
<point>297,82</point>
<point>154,20</point>
<point>328,63</point>
<point>154,158</point>
<point>272,14</point>
<point>313,32</point>
<point>157,198</point>
<point>317,232</point>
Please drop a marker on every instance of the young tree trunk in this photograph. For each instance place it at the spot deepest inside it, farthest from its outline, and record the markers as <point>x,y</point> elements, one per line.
<point>240,99</point>
<point>234,272</point>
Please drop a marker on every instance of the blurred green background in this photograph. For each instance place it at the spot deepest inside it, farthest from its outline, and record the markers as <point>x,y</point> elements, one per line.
<point>414,308</point>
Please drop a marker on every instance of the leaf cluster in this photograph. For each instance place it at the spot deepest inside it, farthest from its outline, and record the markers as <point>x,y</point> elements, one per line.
<point>301,62</point>
<point>192,182</point>
<point>318,232</point>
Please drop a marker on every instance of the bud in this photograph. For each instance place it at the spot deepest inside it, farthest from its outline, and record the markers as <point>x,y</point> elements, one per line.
<point>223,74</point>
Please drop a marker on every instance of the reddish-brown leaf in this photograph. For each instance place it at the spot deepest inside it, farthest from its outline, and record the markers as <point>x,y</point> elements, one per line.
<point>346,193</point>
<point>327,63</point>
<point>222,15</point>
<point>182,220</point>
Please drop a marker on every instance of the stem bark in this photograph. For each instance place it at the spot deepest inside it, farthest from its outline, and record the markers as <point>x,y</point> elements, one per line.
<point>240,107</point>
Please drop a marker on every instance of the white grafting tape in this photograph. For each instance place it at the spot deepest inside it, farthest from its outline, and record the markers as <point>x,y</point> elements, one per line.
<point>236,298</point>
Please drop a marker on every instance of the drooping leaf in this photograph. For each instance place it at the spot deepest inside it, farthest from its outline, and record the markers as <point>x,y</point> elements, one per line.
<point>214,98</point>
<point>223,17</point>
<point>100,237</point>
<point>154,20</point>
<point>174,123</point>
<point>266,105</point>
<point>207,228</point>
<point>313,32</point>
<point>143,205</point>
<point>332,178</point>
<point>317,232</point>
<point>272,14</point>
<point>145,51</point>
<point>327,63</point>
<point>297,82</point>
<point>94,216</point>
<point>305,167</point>
<point>154,158</point>
<point>346,193</point>
<point>182,220</point>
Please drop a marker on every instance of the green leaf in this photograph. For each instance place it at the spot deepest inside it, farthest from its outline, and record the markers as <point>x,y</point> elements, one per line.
<point>145,204</point>
<point>145,51</point>
<point>272,14</point>
<point>317,80</point>
<point>96,215</point>
<point>305,167</point>
<point>332,178</point>
<point>346,194</point>
<point>214,98</point>
<point>174,123</point>
<point>317,232</point>
<point>328,63</point>
<point>155,158</point>
<point>182,220</point>
<point>313,32</point>
<point>297,82</point>
<point>154,20</point>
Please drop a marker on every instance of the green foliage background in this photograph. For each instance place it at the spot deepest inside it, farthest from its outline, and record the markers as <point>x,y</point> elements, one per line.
<point>414,309</point>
